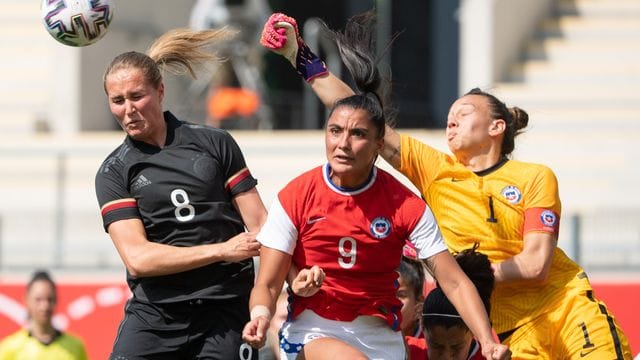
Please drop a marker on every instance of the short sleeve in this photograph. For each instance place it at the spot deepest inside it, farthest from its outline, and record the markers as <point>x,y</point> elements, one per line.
<point>542,203</point>
<point>115,201</point>
<point>543,191</point>
<point>237,174</point>
<point>426,236</point>
<point>278,232</point>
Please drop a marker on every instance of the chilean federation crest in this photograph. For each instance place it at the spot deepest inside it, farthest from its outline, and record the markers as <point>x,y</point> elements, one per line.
<point>380,227</point>
<point>548,218</point>
<point>512,194</point>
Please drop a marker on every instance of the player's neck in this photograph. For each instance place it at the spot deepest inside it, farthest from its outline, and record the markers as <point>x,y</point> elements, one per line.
<point>159,137</point>
<point>479,162</point>
<point>45,333</point>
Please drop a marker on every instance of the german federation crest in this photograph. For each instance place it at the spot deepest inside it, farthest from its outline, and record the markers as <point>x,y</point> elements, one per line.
<point>380,227</point>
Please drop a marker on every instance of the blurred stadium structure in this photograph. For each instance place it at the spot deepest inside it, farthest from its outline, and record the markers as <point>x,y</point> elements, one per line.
<point>573,65</point>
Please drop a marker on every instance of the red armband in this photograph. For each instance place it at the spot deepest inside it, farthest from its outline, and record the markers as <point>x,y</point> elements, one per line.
<point>541,219</point>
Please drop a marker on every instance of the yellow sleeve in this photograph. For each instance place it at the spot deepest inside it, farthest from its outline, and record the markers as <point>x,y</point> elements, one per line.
<point>544,191</point>
<point>419,162</point>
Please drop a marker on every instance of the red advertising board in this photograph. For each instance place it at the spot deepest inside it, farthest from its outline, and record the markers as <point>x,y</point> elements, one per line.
<point>94,310</point>
<point>91,311</point>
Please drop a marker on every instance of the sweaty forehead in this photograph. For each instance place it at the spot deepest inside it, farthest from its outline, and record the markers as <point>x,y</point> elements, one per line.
<point>345,116</point>
<point>125,74</point>
<point>123,82</point>
<point>468,102</point>
<point>448,336</point>
<point>475,100</point>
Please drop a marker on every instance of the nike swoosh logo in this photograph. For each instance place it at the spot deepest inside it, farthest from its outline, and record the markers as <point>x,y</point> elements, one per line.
<point>315,220</point>
<point>585,353</point>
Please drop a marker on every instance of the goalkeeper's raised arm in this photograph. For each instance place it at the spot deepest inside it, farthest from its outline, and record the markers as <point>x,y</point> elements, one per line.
<point>281,35</point>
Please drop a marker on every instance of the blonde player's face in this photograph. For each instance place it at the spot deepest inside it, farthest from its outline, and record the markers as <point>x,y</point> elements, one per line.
<point>468,126</point>
<point>41,302</point>
<point>351,146</point>
<point>451,343</point>
<point>136,104</point>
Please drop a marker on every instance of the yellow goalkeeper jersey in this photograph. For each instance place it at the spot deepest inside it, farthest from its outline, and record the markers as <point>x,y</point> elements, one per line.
<point>22,346</point>
<point>496,208</point>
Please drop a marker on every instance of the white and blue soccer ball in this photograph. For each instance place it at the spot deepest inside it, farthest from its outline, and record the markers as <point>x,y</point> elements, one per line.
<point>77,22</point>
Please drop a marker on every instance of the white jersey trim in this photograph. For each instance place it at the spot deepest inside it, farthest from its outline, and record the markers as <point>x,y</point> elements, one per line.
<point>326,175</point>
<point>278,232</point>
<point>426,236</point>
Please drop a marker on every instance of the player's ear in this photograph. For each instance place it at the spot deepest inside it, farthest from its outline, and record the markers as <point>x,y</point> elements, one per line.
<point>161,91</point>
<point>497,127</point>
<point>418,310</point>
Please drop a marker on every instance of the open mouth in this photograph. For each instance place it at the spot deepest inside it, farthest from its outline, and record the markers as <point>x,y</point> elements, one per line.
<point>343,159</point>
<point>133,123</point>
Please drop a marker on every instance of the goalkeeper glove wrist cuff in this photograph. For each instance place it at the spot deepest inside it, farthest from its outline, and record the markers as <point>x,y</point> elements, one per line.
<point>308,64</point>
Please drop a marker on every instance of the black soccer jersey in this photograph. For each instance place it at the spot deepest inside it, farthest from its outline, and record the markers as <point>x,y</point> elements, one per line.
<point>182,193</point>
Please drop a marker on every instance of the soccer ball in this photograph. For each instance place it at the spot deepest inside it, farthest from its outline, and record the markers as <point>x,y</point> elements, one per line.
<point>77,22</point>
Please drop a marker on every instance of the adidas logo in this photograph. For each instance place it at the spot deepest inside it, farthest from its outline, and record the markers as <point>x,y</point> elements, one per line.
<point>140,182</point>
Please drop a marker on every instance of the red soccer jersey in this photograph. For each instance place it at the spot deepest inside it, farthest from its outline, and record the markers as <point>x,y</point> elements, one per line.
<point>355,235</point>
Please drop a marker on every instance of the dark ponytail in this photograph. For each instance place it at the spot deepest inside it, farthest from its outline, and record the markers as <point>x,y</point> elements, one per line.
<point>356,50</point>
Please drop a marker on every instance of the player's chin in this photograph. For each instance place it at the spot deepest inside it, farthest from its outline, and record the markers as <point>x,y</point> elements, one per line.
<point>341,167</point>
<point>454,145</point>
<point>135,132</point>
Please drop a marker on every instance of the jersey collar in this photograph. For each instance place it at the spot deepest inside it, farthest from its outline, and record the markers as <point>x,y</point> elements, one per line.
<point>326,174</point>
<point>503,160</point>
<point>57,333</point>
<point>172,125</point>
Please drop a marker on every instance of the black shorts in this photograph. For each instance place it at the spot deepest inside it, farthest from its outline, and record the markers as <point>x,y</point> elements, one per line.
<point>196,329</point>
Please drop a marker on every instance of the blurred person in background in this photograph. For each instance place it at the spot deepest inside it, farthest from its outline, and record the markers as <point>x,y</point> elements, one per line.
<point>351,219</point>
<point>234,96</point>
<point>411,278</point>
<point>248,15</point>
<point>511,207</point>
<point>176,199</point>
<point>40,339</point>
